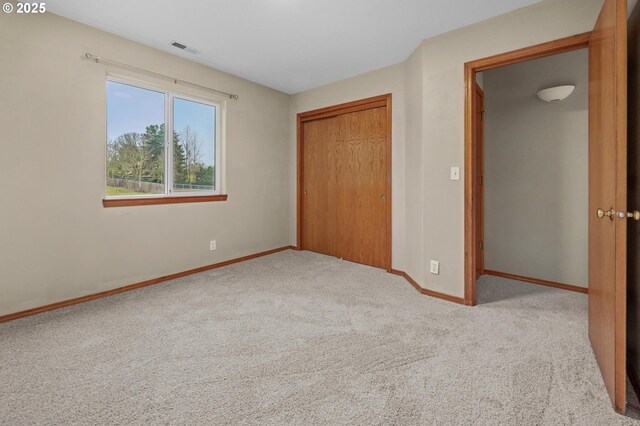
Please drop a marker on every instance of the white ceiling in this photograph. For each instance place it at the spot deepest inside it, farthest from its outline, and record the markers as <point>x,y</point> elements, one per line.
<point>289,45</point>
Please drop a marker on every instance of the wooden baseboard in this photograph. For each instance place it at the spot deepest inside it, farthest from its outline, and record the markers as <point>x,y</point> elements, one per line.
<point>538,281</point>
<point>130,287</point>
<point>424,291</point>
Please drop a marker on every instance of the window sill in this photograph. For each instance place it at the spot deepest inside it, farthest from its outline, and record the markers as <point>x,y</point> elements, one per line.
<point>149,201</point>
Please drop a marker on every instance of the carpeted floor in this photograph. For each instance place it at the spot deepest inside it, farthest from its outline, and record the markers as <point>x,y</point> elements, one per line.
<point>301,338</point>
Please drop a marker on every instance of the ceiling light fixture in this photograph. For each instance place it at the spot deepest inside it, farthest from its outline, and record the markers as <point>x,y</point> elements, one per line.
<point>556,94</point>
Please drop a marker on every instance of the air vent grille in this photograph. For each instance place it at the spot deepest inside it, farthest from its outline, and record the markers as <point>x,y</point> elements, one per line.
<point>184,47</point>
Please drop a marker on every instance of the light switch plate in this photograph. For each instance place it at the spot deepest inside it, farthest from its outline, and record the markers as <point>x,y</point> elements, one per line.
<point>435,267</point>
<point>455,173</point>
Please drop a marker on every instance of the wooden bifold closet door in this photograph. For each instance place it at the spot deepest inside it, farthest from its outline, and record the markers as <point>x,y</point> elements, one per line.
<point>345,204</point>
<point>320,213</point>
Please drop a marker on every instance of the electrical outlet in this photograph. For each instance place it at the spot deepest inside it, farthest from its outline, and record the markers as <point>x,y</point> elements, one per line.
<point>435,267</point>
<point>212,245</point>
<point>455,173</point>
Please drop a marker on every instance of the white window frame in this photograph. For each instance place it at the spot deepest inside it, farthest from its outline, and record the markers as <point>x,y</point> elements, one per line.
<point>169,96</point>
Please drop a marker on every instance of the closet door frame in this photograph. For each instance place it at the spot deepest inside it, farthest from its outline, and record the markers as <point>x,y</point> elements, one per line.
<point>332,111</point>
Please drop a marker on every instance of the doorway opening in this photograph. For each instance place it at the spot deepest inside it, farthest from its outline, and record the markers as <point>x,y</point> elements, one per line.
<point>532,142</point>
<point>475,150</point>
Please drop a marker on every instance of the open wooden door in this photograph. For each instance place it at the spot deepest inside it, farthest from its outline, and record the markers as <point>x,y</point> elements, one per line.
<point>608,196</point>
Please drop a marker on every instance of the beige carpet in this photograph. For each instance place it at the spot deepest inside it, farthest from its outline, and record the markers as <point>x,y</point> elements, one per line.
<point>300,338</point>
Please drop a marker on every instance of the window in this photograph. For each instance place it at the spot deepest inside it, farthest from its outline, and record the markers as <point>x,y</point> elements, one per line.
<point>160,144</point>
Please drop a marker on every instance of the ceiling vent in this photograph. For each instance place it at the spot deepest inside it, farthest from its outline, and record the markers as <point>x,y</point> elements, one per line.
<point>185,47</point>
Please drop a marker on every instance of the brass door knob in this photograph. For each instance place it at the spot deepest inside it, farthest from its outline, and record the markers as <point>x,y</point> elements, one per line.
<point>602,213</point>
<point>383,196</point>
<point>635,215</point>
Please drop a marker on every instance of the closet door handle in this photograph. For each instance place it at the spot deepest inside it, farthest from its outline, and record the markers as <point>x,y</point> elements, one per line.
<point>383,197</point>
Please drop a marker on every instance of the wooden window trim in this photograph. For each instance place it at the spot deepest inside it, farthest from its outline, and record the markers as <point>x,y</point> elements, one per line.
<point>150,201</point>
<point>167,197</point>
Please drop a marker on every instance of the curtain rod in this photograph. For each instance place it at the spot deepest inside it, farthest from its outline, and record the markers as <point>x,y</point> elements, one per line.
<point>99,60</point>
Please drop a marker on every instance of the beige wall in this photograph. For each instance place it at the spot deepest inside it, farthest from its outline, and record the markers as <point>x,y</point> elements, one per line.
<point>413,169</point>
<point>58,242</point>
<point>536,170</point>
